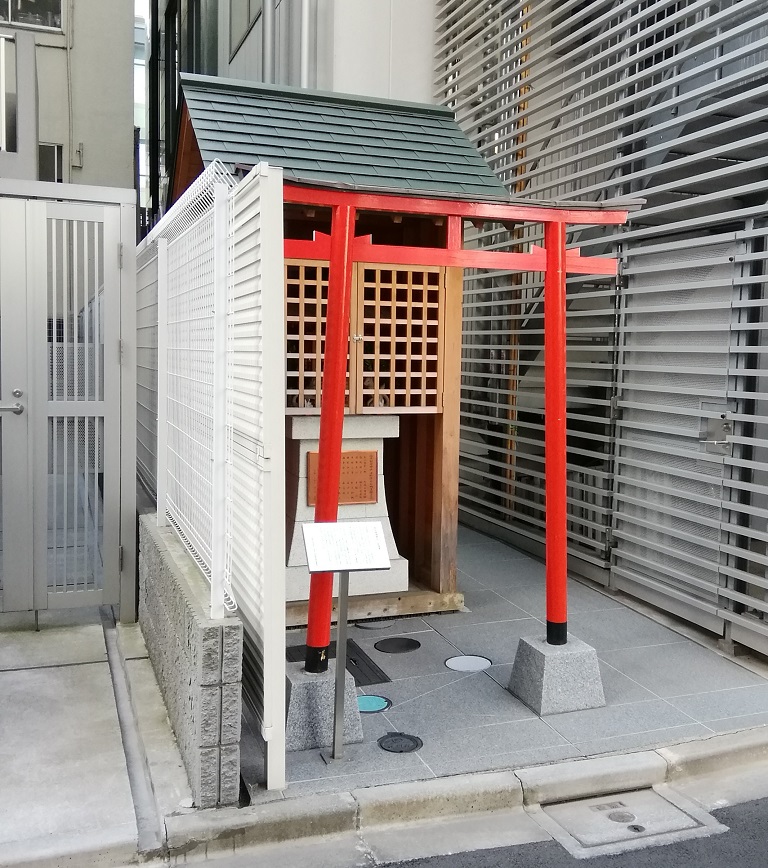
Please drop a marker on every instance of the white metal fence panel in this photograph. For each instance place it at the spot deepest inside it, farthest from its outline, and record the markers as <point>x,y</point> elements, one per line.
<point>255,563</point>
<point>193,204</point>
<point>146,366</point>
<point>668,101</point>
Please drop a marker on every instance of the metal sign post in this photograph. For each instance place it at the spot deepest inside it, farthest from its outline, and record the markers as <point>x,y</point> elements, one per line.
<point>344,547</point>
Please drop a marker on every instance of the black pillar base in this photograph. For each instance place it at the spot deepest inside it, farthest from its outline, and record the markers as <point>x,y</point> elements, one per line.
<point>316,660</point>
<point>557,633</point>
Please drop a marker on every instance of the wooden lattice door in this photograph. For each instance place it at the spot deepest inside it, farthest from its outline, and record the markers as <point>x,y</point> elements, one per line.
<point>396,338</point>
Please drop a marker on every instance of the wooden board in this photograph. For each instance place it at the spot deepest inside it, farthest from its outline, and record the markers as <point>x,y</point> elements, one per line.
<point>414,601</point>
<point>359,481</point>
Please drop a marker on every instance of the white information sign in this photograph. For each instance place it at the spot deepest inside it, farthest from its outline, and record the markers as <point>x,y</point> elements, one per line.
<point>345,546</point>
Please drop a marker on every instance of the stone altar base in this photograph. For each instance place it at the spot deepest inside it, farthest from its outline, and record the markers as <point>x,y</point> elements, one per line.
<point>552,679</point>
<point>310,699</point>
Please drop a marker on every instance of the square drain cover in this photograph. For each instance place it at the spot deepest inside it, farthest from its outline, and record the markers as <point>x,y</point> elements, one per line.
<point>612,824</point>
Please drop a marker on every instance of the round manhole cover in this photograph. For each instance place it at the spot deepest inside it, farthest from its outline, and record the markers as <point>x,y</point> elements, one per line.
<point>397,645</point>
<point>374,625</point>
<point>373,704</point>
<point>621,817</point>
<point>468,663</point>
<point>400,742</point>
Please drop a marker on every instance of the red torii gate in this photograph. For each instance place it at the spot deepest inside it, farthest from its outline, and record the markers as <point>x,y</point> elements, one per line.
<point>342,248</point>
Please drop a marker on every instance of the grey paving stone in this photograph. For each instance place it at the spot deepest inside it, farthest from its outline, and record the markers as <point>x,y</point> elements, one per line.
<point>460,749</point>
<point>459,764</point>
<point>643,740</point>
<point>396,627</point>
<point>680,669</point>
<point>731,724</point>
<point>723,704</point>
<point>470,702</point>
<point>497,641</point>
<point>618,628</point>
<point>78,782</point>
<point>369,778</point>
<point>501,573</point>
<point>52,646</point>
<point>484,607</point>
<point>475,558</point>
<point>615,720</point>
<point>426,660</point>
<point>405,689</point>
<point>619,689</point>
<point>309,765</point>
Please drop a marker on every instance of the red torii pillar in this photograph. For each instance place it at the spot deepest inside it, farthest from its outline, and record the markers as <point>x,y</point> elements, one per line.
<point>342,243</point>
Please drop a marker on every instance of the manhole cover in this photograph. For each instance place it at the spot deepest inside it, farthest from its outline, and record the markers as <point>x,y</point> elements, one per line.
<point>612,823</point>
<point>400,742</point>
<point>397,645</point>
<point>373,704</point>
<point>467,663</point>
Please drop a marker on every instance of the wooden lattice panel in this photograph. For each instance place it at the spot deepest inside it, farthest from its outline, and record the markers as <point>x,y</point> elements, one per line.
<point>359,482</point>
<point>399,329</point>
<point>306,297</point>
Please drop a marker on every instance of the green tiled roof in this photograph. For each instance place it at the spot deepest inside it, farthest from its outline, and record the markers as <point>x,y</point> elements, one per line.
<point>347,141</point>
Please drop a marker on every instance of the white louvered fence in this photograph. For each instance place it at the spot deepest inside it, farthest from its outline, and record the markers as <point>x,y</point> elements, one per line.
<point>211,406</point>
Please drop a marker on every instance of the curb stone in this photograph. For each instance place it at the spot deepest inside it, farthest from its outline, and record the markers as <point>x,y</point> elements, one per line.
<point>475,793</point>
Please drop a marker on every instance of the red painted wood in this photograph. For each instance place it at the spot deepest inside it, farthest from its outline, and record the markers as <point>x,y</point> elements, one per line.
<point>555,425</point>
<point>518,213</point>
<point>331,420</point>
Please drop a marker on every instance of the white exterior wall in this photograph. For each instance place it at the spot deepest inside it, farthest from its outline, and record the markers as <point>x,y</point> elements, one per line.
<point>100,56</point>
<point>377,48</point>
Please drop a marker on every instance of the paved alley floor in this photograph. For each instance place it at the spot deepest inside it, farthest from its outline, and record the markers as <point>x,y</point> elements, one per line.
<point>660,686</point>
<point>61,752</point>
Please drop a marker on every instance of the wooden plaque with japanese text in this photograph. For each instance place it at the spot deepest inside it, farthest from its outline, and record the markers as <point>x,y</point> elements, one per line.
<point>359,478</point>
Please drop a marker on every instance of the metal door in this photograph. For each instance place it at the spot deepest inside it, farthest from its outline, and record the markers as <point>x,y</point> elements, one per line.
<point>59,404</point>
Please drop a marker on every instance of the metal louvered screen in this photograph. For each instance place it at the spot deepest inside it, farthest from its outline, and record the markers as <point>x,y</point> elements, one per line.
<point>667,101</point>
<point>255,407</point>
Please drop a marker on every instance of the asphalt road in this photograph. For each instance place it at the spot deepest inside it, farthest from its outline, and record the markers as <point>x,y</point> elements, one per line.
<point>744,846</point>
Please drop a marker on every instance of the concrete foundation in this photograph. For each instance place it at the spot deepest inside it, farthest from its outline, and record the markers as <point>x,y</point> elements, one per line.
<point>364,433</point>
<point>197,663</point>
<point>552,679</point>
<point>310,699</point>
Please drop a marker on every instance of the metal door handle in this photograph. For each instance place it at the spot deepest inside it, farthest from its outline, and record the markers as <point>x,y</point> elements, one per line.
<point>17,409</point>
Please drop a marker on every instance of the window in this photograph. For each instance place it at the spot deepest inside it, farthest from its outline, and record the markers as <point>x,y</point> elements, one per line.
<point>7,94</point>
<point>36,13</point>
<point>49,163</point>
<point>242,14</point>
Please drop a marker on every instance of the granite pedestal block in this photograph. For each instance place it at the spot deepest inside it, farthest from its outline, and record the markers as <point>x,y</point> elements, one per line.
<point>552,679</point>
<point>310,699</point>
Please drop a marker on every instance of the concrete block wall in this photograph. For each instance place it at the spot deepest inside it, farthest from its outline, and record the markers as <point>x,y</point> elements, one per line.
<point>197,662</point>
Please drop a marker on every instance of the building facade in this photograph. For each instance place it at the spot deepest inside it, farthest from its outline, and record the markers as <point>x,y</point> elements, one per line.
<point>67,91</point>
<point>378,49</point>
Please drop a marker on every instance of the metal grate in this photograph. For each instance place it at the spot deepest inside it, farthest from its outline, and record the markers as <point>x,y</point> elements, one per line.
<point>359,664</point>
<point>75,379</point>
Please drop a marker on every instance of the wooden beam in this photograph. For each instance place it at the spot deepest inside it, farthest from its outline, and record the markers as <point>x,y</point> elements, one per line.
<point>487,211</point>
<point>445,460</point>
<point>415,601</point>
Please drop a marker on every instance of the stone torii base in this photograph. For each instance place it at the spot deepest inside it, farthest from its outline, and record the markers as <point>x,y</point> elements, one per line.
<point>552,679</point>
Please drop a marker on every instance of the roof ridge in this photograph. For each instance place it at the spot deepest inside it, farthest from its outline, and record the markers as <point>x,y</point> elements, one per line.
<point>317,96</point>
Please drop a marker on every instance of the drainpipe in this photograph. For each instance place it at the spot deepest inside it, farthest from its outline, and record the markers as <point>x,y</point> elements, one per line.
<point>268,42</point>
<point>304,62</point>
